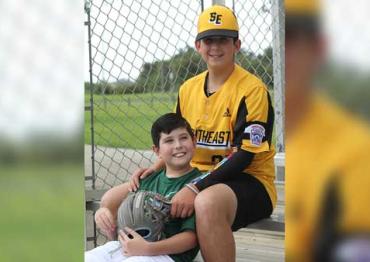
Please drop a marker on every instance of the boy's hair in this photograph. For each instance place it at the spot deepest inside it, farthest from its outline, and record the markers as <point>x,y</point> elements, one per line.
<point>166,124</point>
<point>235,39</point>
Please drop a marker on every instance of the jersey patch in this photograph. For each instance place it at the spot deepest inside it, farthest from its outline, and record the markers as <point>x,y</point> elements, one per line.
<point>256,133</point>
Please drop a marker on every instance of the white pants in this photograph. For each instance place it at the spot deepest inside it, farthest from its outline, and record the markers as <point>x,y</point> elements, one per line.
<point>112,252</point>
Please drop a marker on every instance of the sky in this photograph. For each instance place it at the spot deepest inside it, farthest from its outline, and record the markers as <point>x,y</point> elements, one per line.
<point>131,33</point>
<point>347,27</point>
<point>153,34</point>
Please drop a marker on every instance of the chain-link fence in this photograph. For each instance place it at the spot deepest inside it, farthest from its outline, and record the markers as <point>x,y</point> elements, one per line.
<point>140,52</point>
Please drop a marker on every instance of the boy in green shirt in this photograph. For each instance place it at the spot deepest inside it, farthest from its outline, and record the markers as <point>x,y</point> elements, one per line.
<point>174,143</point>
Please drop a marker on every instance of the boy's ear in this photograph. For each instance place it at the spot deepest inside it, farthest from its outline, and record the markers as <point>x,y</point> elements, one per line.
<point>237,44</point>
<point>197,45</point>
<point>194,141</point>
<point>155,150</point>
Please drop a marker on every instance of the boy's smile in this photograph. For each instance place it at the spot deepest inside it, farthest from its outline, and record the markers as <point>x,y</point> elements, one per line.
<point>218,51</point>
<point>215,54</point>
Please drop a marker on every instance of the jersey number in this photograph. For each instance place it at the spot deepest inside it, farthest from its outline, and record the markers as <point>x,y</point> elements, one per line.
<point>217,158</point>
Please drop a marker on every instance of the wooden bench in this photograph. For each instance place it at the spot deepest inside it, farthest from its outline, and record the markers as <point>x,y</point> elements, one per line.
<point>92,203</point>
<point>92,199</point>
<point>268,224</point>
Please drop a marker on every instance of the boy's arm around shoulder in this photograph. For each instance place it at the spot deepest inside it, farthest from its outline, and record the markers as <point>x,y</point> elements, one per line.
<point>142,173</point>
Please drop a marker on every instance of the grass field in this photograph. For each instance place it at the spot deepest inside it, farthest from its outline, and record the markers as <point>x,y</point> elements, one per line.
<point>125,120</point>
<point>42,217</point>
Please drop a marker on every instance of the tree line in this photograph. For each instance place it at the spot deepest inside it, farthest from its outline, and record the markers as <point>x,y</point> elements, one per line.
<point>168,75</point>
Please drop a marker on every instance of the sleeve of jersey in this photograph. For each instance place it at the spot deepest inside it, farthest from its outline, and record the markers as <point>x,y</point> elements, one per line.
<point>230,169</point>
<point>254,122</point>
<point>178,105</point>
<point>177,108</point>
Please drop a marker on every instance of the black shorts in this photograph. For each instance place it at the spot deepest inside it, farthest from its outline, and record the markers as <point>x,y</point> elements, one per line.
<point>254,202</point>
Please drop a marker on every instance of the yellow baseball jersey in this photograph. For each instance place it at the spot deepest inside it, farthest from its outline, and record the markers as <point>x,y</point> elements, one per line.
<point>239,115</point>
<point>328,148</point>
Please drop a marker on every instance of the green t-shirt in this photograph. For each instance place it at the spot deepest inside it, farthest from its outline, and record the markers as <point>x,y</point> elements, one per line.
<point>168,187</point>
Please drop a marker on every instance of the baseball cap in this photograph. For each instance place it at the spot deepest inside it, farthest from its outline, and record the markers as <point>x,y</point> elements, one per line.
<point>219,21</point>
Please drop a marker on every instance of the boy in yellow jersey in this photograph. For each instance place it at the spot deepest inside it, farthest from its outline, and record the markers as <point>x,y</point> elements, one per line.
<point>230,111</point>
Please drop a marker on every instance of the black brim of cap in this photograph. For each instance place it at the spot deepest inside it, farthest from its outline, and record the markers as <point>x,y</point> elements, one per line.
<point>217,33</point>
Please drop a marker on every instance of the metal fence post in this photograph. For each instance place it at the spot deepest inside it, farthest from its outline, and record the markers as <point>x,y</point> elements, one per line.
<point>91,109</point>
<point>91,106</point>
<point>279,71</point>
<point>218,2</point>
